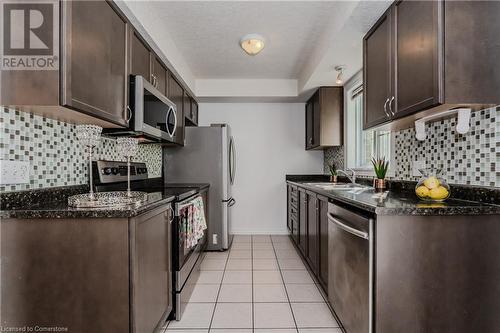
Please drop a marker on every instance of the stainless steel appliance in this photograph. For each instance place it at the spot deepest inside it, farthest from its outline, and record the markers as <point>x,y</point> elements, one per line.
<point>112,176</point>
<point>350,268</point>
<point>152,116</point>
<point>208,156</point>
<point>187,259</point>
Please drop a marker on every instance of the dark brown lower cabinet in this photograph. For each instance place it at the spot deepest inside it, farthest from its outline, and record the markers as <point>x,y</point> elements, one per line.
<point>151,269</point>
<point>302,233</point>
<point>95,275</point>
<point>308,225</point>
<point>323,241</point>
<point>312,232</point>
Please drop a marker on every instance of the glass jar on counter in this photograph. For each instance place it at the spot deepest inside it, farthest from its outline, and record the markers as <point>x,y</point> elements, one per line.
<point>432,186</point>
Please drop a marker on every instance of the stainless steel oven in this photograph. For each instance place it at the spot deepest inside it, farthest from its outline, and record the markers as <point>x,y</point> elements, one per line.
<point>187,258</point>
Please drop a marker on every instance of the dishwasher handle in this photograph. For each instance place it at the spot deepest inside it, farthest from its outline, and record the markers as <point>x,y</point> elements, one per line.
<point>347,228</point>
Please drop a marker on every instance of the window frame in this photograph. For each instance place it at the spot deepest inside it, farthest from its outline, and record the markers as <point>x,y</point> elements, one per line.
<point>353,82</point>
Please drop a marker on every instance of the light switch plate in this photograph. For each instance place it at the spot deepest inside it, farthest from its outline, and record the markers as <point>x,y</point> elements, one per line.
<point>14,172</point>
<point>420,164</point>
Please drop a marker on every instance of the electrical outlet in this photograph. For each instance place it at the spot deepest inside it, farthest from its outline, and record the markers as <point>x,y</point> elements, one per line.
<point>214,239</point>
<point>14,172</point>
<point>420,164</point>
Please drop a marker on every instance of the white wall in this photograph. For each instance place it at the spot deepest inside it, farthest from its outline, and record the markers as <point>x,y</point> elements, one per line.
<point>269,140</point>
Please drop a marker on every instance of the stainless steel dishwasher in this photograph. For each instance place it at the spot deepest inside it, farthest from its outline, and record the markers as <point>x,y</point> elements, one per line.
<point>350,268</point>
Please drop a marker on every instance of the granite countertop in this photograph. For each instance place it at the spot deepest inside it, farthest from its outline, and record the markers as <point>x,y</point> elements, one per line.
<point>399,202</point>
<point>33,207</point>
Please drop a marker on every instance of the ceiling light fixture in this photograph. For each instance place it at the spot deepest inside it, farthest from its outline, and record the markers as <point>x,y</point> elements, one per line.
<point>252,44</point>
<point>340,70</point>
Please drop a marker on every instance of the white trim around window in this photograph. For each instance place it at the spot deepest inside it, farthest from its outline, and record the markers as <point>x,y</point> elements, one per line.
<point>354,84</point>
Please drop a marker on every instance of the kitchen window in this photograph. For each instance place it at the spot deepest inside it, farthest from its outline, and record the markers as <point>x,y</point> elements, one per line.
<point>361,145</point>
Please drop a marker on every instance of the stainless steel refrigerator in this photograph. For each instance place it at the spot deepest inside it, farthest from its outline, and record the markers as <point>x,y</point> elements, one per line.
<point>208,156</point>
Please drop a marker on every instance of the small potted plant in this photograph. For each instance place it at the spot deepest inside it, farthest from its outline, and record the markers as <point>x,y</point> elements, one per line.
<point>380,166</point>
<point>333,173</point>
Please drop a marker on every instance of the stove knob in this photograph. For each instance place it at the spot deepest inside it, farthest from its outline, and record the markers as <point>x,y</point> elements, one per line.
<point>114,171</point>
<point>144,170</point>
<point>106,171</point>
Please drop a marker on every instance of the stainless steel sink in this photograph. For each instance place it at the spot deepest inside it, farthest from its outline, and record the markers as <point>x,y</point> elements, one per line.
<point>337,186</point>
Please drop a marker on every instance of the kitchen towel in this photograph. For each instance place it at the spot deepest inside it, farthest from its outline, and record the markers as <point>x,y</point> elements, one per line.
<point>195,223</point>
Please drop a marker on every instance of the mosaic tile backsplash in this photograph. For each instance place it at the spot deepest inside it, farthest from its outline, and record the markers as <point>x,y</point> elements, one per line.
<point>55,156</point>
<point>469,159</point>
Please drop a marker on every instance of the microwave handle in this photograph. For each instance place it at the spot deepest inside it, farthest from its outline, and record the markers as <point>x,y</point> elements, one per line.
<point>129,114</point>
<point>171,109</point>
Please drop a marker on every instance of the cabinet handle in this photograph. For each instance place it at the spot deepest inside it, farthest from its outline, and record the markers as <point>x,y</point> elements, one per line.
<point>169,215</point>
<point>310,141</point>
<point>385,108</point>
<point>172,214</point>
<point>390,105</point>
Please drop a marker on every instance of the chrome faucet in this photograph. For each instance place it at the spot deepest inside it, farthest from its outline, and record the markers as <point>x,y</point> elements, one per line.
<point>352,178</point>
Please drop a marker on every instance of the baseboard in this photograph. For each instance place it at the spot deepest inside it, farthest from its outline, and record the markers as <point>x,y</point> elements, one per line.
<point>260,232</point>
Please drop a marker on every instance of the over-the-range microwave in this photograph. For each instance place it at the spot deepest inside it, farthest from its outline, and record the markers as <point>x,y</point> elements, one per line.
<point>152,116</point>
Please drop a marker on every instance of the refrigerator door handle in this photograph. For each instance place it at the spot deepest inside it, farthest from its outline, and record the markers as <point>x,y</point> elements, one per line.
<point>232,160</point>
<point>230,202</point>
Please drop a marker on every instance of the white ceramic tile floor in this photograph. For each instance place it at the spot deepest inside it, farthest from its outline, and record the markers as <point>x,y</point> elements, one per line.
<point>259,286</point>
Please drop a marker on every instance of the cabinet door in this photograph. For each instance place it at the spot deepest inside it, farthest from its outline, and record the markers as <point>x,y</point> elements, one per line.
<point>312,233</point>
<point>176,95</point>
<point>140,63</point>
<point>188,113</point>
<point>377,72</point>
<point>289,208</point>
<point>316,119</point>
<point>194,110</point>
<point>152,269</point>
<point>323,242</point>
<point>94,60</point>
<point>419,38</point>
<point>309,124</point>
<point>159,75</point>
<point>302,234</point>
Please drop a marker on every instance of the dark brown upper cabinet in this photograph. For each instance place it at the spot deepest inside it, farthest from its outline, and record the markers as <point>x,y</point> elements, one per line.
<point>324,118</point>
<point>99,50</point>
<point>158,74</point>
<point>417,58</point>
<point>176,95</point>
<point>144,62</point>
<point>188,112</point>
<point>194,111</point>
<point>94,58</point>
<point>191,115</point>
<point>421,56</point>
<point>377,71</point>
<point>140,63</point>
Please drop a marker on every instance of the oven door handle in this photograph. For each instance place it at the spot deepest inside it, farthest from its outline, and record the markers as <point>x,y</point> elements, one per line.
<point>347,228</point>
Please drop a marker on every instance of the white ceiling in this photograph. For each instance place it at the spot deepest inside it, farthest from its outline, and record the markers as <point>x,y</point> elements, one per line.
<point>208,33</point>
<point>304,41</point>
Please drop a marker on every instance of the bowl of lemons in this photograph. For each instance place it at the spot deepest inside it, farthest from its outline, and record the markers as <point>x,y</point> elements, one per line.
<point>432,186</point>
